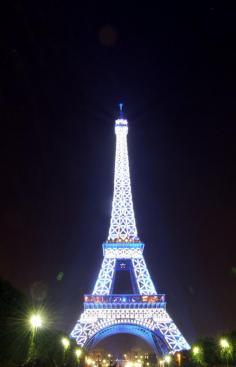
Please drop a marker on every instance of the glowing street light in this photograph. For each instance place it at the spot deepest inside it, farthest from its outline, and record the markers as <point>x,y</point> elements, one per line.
<point>78,353</point>
<point>65,342</point>
<point>167,359</point>
<point>226,349</point>
<point>36,321</point>
<point>224,343</point>
<point>196,350</point>
<point>197,354</point>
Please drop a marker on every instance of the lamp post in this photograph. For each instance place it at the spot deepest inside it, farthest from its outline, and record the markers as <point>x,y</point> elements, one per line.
<point>197,354</point>
<point>225,349</point>
<point>167,359</point>
<point>78,353</point>
<point>35,322</point>
<point>65,343</point>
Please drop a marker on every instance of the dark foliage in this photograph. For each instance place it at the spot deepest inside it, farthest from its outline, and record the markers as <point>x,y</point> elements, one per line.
<point>17,340</point>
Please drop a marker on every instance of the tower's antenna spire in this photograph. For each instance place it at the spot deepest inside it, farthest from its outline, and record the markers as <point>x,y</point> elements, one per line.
<point>121,110</point>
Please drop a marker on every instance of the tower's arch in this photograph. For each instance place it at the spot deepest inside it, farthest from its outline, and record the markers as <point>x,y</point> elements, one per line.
<point>151,323</point>
<point>154,340</point>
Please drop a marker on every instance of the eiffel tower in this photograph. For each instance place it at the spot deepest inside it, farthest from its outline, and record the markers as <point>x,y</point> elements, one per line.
<point>142,313</point>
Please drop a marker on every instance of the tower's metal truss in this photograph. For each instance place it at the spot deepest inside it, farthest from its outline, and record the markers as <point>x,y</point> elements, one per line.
<point>144,281</point>
<point>105,277</point>
<point>103,285</point>
<point>156,320</point>
<point>122,226</point>
<point>143,312</point>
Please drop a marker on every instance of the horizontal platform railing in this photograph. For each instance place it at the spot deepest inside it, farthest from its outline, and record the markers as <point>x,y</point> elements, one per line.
<point>124,298</point>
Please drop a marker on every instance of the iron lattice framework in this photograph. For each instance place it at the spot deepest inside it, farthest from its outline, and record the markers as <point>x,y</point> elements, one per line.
<point>143,312</point>
<point>123,226</point>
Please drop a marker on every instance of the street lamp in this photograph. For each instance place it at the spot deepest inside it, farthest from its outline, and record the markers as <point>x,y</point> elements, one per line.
<point>36,321</point>
<point>196,350</point>
<point>167,359</point>
<point>78,353</point>
<point>226,349</point>
<point>197,354</point>
<point>224,344</point>
<point>65,342</point>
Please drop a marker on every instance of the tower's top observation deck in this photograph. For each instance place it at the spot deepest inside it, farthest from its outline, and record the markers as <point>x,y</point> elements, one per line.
<point>122,225</point>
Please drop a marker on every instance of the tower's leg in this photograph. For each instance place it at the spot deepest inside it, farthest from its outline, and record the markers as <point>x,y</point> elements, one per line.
<point>105,278</point>
<point>144,281</point>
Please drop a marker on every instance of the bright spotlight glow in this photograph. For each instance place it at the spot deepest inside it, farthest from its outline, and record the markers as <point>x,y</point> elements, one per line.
<point>196,350</point>
<point>78,352</point>
<point>129,364</point>
<point>89,361</point>
<point>36,321</point>
<point>65,342</point>
<point>224,343</point>
<point>167,359</point>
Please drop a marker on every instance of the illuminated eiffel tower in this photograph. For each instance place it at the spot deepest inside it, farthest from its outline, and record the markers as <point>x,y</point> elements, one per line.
<point>142,313</point>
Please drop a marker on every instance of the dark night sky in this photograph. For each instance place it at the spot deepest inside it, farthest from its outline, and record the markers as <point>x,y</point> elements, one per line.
<point>64,68</point>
